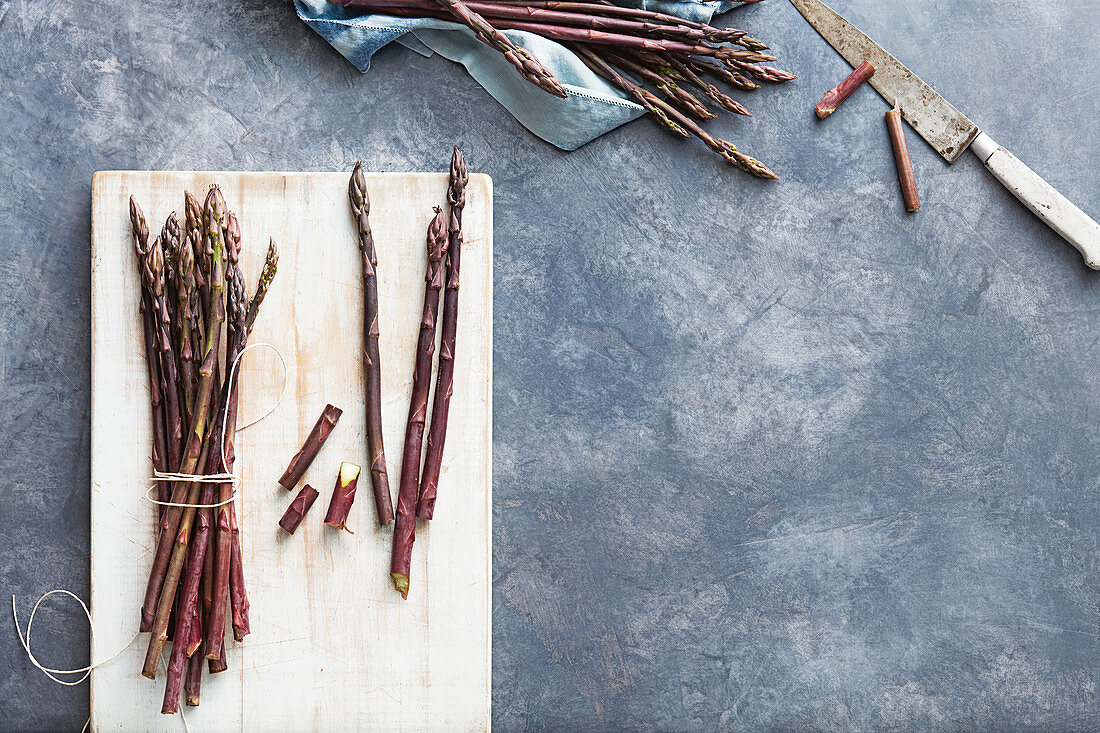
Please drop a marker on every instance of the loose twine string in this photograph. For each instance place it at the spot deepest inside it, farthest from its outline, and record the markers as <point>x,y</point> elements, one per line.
<point>158,476</point>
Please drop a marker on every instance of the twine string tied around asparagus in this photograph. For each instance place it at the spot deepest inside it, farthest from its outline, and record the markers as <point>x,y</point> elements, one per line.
<point>226,477</point>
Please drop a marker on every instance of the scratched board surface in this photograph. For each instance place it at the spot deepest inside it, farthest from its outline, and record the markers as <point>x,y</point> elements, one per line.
<point>333,646</point>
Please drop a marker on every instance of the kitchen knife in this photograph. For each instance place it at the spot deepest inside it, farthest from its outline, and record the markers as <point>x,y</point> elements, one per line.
<point>950,132</point>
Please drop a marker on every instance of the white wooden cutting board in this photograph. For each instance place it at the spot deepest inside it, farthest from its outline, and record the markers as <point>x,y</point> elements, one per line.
<point>333,646</point>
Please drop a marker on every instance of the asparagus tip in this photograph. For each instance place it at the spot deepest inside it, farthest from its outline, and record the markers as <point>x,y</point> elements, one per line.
<point>458,167</point>
<point>357,191</point>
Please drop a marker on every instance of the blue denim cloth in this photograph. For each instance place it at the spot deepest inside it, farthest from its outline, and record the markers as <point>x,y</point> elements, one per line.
<point>593,107</point>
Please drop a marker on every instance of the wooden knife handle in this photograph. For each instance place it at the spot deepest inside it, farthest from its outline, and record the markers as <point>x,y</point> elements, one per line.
<point>1045,202</point>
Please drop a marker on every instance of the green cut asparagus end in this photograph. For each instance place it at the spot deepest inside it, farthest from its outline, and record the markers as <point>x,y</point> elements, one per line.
<point>348,472</point>
<point>401,583</point>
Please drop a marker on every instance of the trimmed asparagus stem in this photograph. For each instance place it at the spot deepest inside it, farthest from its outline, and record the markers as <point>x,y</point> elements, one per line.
<point>220,664</point>
<point>444,385</point>
<point>343,495</point>
<point>238,597</point>
<point>906,179</point>
<point>164,575</point>
<point>836,96</point>
<point>192,685</point>
<point>404,531</point>
<point>296,512</point>
<point>312,445</point>
<point>372,363</point>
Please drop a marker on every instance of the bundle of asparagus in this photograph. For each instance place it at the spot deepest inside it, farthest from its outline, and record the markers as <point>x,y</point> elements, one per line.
<point>192,291</point>
<point>628,47</point>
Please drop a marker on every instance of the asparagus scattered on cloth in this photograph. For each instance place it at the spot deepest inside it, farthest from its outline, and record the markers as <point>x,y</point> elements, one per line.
<point>444,385</point>
<point>404,531</point>
<point>625,39</point>
<point>372,363</point>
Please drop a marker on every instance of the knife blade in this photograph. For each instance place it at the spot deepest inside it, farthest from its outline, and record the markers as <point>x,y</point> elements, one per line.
<point>934,118</point>
<point>950,132</point>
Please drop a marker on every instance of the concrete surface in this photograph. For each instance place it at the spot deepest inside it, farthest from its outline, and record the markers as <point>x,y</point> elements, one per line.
<point>769,456</point>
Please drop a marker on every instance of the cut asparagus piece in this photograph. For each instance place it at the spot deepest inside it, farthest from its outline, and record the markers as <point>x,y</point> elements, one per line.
<point>312,445</point>
<point>836,96</point>
<point>906,179</point>
<point>343,495</point>
<point>296,512</point>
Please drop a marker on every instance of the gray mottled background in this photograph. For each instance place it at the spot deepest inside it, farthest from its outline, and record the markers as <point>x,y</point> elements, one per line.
<point>768,455</point>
